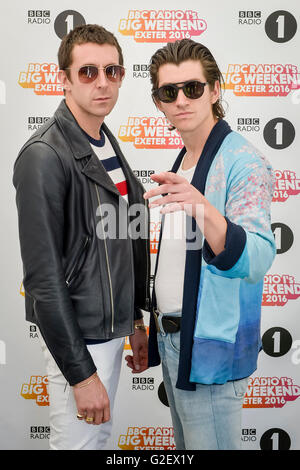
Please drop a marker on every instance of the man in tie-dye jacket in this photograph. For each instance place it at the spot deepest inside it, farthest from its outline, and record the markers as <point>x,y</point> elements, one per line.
<point>205,324</point>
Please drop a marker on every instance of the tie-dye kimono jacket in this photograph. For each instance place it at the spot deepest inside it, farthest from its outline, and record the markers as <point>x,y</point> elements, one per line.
<point>221,311</point>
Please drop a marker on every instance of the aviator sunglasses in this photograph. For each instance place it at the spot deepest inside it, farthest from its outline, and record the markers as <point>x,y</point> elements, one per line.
<point>89,73</point>
<point>168,93</point>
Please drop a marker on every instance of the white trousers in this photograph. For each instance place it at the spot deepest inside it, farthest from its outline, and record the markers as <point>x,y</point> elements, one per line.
<point>67,432</point>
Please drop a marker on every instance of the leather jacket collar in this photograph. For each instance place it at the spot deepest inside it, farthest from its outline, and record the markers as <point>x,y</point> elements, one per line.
<point>81,148</point>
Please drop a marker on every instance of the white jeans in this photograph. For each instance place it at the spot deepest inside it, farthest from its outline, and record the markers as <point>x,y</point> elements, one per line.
<point>67,432</point>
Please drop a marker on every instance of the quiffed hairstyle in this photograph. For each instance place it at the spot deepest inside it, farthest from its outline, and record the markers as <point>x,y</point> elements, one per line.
<point>81,35</point>
<point>187,49</point>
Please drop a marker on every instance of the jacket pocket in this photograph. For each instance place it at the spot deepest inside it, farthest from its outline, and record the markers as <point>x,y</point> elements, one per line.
<point>240,387</point>
<point>79,261</point>
<point>218,311</point>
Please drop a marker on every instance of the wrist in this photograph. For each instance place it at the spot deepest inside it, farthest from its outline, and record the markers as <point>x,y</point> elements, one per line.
<point>86,382</point>
<point>139,325</point>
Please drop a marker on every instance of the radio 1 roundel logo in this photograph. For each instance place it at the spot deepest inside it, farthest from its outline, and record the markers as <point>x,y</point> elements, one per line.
<point>284,237</point>
<point>66,21</point>
<point>279,133</point>
<point>277,341</point>
<point>281,26</point>
<point>275,439</point>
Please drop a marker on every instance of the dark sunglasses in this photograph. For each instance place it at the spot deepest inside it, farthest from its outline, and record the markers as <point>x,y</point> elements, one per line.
<point>168,93</point>
<point>89,73</point>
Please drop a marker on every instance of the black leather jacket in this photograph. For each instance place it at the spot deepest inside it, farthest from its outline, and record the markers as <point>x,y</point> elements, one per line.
<point>78,283</point>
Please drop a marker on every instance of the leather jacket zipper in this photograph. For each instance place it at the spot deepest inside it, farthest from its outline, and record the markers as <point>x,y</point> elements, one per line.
<point>74,271</point>
<point>108,266</point>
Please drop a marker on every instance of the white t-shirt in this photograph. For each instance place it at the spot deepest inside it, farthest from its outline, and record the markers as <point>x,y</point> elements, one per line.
<point>171,262</point>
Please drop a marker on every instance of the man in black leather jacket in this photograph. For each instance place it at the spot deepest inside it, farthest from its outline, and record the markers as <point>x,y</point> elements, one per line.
<point>84,286</point>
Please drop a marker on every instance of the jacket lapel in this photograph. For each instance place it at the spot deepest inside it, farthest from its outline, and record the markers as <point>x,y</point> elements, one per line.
<point>95,171</point>
<point>211,147</point>
<point>80,146</point>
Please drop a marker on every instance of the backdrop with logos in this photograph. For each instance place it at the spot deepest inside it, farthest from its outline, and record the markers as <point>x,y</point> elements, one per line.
<point>257,49</point>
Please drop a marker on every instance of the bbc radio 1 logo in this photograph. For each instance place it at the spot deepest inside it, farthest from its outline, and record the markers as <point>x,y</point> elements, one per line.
<point>277,342</point>
<point>66,21</point>
<point>280,26</point>
<point>150,133</point>
<point>275,439</point>
<point>162,25</point>
<point>284,237</point>
<point>63,23</point>
<point>279,133</point>
<point>272,439</point>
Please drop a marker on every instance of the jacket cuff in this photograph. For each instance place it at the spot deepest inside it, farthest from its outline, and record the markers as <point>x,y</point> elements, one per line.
<point>234,246</point>
<point>76,377</point>
<point>138,314</point>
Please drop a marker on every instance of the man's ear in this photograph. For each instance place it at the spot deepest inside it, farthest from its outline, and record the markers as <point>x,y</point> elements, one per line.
<point>216,92</point>
<point>62,77</point>
<point>157,103</point>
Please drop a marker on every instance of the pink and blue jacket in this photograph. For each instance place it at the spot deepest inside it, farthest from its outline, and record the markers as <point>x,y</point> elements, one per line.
<point>221,311</point>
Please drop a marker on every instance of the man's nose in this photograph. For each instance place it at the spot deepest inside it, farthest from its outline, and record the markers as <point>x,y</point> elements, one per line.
<point>101,80</point>
<point>181,98</point>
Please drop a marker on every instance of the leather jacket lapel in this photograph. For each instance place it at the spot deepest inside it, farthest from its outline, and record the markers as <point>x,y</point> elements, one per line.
<point>95,171</point>
<point>81,148</point>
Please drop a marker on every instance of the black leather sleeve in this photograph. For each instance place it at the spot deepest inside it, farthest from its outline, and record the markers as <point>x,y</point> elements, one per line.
<point>138,314</point>
<point>41,184</point>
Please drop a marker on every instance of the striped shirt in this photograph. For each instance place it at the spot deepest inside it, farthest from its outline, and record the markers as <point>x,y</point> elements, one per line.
<point>105,152</point>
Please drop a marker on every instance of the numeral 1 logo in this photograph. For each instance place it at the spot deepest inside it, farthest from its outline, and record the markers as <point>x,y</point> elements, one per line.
<point>280,23</point>
<point>284,237</point>
<point>66,21</point>
<point>279,133</point>
<point>275,439</point>
<point>277,341</point>
<point>70,23</point>
<point>281,26</point>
